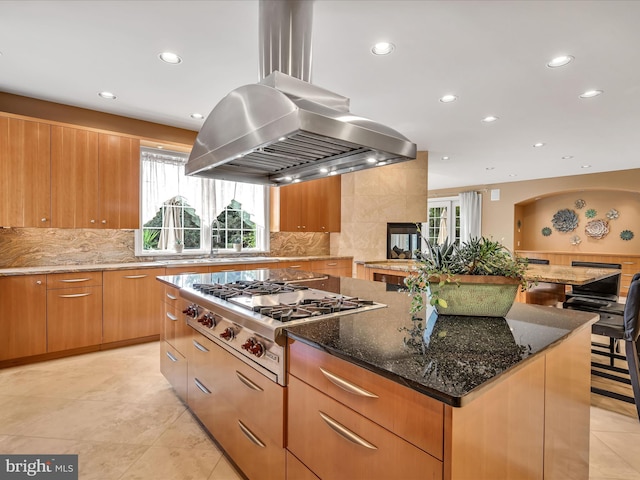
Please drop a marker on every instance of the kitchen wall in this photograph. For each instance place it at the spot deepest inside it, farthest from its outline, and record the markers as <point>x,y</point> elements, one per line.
<point>374,197</point>
<point>498,217</point>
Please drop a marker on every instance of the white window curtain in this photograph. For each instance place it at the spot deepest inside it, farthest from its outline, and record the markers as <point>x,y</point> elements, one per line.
<point>470,215</point>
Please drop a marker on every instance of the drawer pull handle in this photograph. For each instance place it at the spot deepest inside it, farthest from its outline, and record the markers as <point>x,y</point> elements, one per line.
<point>74,280</point>
<point>347,386</point>
<point>345,433</point>
<point>171,297</point>
<point>250,435</point>
<point>172,317</point>
<point>200,347</point>
<point>75,295</point>
<point>332,264</point>
<point>171,357</point>
<point>248,382</point>
<point>294,266</point>
<point>201,387</point>
<point>135,276</point>
<point>628,263</point>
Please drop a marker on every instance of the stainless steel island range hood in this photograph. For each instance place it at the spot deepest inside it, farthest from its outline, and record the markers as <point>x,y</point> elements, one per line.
<point>284,129</point>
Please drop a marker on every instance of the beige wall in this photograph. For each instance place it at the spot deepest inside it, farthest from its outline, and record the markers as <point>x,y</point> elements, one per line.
<point>372,198</point>
<point>498,217</point>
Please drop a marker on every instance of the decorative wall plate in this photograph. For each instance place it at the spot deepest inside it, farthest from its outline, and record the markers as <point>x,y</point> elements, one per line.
<point>626,235</point>
<point>580,203</point>
<point>565,220</point>
<point>575,240</point>
<point>591,213</point>
<point>612,214</point>
<point>597,229</point>
<point>546,231</point>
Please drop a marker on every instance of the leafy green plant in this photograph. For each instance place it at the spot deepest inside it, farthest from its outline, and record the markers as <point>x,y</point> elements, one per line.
<point>150,238</point>
<point>439,265</point>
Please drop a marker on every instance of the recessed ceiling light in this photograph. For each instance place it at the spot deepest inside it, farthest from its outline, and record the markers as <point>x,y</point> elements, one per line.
<point>585,166</point>
<point>382,48</point>
<point>445,158</point>
<point>560,61</point>
<point>107,95</point>
<point>591,93</point>
<point>169,57</point>
<point>489,119</point>
<point>567,157</point>
<point>448,98</point>
<point>197,116</point>
<point>538,145</point>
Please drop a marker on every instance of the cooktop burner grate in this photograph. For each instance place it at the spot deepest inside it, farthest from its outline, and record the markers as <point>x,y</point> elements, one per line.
<point>312,307</point>
<point>251,288</point>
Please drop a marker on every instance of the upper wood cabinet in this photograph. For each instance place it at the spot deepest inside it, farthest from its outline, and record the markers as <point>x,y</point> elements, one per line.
<point>312,206</point>
<point>25,190</point>
<point>95,179</point>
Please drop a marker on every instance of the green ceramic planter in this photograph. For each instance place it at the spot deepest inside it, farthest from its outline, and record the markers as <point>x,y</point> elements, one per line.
<point>478,296</point>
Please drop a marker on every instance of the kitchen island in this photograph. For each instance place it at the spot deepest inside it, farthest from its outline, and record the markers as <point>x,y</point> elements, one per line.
<point>383,394</point>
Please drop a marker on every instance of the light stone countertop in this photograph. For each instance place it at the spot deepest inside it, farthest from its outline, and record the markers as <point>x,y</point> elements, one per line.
<point>13,271</point>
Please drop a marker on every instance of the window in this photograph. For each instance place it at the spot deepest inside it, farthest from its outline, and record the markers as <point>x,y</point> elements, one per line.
<point>444,221</point>
<point>196,215</point>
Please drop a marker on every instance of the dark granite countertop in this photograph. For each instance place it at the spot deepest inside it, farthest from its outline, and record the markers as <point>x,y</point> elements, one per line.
<point>450,358</point>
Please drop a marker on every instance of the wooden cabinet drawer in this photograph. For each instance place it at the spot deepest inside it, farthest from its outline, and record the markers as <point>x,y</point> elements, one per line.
<point>77,279</point>
<point>226,268</point>
<point>171,295</point>
<point>173,366</point>
<point>245,388</point>
<point>187,269</point>
<point>413,416</point>
<point>296,470</point>
<point>338,443</point>
<point>296,265</point>
<point>170,319</point>
<point>338,267</point>
<point>74,318</point>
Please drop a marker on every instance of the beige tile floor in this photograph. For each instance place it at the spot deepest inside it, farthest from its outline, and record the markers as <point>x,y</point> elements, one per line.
<point>118,413</point>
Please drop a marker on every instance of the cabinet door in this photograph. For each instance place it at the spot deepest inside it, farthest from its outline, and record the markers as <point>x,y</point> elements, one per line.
<point>119,181</point>
<point>312,206</point>
<point>74,318</point>
<point>23,321</point>
<point>174,367</point>
<point>131,308</point>
<point>74,178</point>
<point>25,191</point>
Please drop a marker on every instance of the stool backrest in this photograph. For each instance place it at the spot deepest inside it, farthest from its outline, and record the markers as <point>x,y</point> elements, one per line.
<point>632,311</point>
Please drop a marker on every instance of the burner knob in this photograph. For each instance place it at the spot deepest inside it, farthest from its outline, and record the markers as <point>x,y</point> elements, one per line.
<point>191,310</point>
<point>208,320</point>
<point>254,347</point>
<point>228,334</point>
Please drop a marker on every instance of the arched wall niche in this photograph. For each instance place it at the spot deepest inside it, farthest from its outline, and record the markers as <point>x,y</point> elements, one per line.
<point>535,214</point>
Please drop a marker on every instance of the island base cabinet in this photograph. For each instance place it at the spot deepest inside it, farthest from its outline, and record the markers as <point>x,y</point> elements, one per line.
<point>296,470</point>
<point>337,443</point>
<point>174,368</point>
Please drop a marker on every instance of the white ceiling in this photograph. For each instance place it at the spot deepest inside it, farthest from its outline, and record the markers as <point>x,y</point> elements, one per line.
<point>492,54</point>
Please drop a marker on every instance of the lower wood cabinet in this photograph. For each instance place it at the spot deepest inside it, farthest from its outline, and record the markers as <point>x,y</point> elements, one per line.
<point>23,316</point>
<point>336,442</point>
<point>296,470</point>
<point>173,366</point>
<point>240,408</point>
<point>74,310</point>
<point>130,304</point>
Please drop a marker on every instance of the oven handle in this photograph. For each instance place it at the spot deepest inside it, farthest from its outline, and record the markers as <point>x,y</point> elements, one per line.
<point>201,387</point>
<point>249,434</point>
<point>200,347</point>
<point>347,386</point>
<point>345,433</point>
<point>248,382</point>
